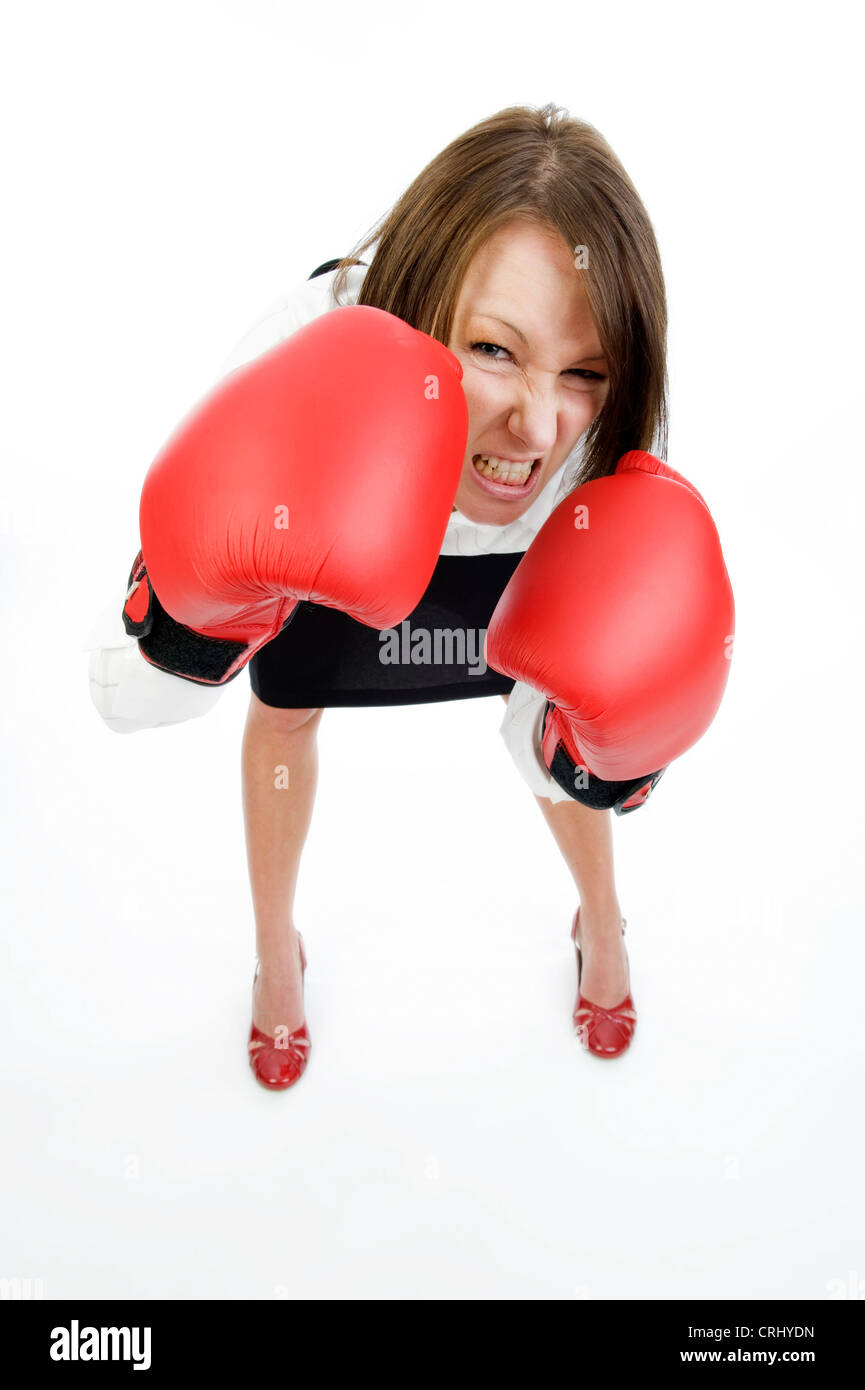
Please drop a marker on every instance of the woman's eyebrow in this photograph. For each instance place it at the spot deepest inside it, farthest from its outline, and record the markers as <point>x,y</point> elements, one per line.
<point>482,313</point>
<point>588,357</point>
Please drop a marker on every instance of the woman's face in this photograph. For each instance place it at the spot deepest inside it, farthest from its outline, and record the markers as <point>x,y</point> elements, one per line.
<point>534,373</point>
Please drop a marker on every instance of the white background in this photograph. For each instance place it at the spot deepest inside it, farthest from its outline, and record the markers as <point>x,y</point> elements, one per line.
<point>168,171</point>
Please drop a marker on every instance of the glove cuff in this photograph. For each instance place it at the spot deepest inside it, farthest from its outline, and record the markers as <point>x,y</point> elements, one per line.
<point>583,786</point>
<point>166,643</point>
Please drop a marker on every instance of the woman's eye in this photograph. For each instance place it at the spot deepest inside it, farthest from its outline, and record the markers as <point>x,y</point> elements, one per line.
<point>476,347</point>
<point>582,373</point>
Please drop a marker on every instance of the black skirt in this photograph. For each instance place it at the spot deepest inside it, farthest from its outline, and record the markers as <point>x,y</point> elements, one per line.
<point>323,658</point>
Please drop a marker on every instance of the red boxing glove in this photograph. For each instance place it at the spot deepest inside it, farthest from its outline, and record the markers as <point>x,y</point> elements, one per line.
<point>324,470</point>
<point>622,615</point>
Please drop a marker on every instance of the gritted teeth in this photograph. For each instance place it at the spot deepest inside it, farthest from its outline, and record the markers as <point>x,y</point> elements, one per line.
<point>502,470</point>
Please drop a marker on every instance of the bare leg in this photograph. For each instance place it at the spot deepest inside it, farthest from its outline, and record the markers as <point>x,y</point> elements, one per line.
<point>585,839</point>
<point>279,747</point>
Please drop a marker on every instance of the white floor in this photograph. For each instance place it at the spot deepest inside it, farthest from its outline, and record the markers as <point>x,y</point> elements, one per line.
<point>448,1139</point>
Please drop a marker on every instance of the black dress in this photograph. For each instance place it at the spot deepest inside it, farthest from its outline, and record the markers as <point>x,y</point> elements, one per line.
<point>324,658</point>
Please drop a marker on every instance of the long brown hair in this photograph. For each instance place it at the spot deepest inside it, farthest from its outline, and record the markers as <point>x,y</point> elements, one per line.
<point>543,166</point>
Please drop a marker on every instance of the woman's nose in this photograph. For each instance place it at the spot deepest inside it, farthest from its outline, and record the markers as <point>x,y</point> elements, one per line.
<point>533,418</point>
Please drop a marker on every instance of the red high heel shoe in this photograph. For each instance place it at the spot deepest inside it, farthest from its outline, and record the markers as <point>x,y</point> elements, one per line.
<point>605,1032</point>
<point>278,1063</point>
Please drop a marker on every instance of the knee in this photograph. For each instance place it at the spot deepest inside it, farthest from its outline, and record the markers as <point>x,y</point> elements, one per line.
<point>282,721</point>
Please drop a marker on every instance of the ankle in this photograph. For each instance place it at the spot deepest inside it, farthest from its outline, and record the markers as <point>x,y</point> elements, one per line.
<point>281,955</point>
<point>600,916</point>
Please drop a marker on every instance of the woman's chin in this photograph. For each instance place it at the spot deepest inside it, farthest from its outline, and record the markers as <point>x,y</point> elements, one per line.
<point>490,514</point>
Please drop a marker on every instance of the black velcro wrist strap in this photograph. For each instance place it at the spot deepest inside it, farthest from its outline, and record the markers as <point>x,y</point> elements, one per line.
<point>169,645</point>
<point>204,660</point>
<point>583,786</point>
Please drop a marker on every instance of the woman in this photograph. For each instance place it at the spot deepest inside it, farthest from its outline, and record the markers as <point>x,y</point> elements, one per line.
<point>524,248</point>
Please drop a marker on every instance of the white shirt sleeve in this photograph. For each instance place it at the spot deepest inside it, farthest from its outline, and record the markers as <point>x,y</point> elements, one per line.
<point>129,693</point>
<point>521,731</point>
<point>302,304</point>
